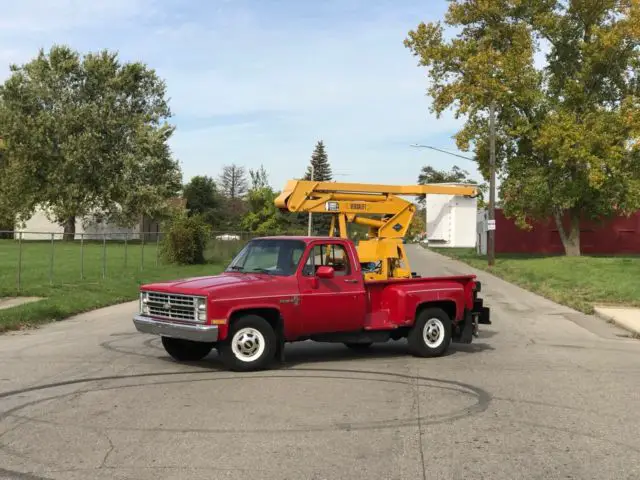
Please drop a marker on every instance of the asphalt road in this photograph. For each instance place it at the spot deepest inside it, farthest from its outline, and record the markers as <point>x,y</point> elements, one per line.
<point>544,393</point>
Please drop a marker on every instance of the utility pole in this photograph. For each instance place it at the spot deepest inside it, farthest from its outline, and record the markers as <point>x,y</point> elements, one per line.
<point>309,225</point>
<point>491,229</point>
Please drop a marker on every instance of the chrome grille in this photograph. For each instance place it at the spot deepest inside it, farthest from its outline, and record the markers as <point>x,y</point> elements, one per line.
<point>175,307</point>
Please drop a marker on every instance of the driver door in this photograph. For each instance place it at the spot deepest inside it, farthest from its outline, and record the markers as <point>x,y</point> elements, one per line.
<point>335,304</point>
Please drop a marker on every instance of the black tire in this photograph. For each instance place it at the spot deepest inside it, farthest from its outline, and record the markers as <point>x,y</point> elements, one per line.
<point>439,325</point>
<point>186,350</point>
<point>262,340</point>
<point>359,347</point>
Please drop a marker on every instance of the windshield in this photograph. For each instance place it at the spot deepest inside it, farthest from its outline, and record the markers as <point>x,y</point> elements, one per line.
<point>273,257</point>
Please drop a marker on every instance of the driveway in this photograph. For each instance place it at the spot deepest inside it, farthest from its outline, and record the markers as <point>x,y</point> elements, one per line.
<point>545,392</point>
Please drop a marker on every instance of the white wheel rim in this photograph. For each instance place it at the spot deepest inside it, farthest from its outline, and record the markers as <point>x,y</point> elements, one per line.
<point>433,332</point>
<point>248,344</point>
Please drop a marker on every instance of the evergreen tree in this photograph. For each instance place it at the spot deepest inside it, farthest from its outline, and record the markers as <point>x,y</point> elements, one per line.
<point>321,173</point>
<point>320,162</point>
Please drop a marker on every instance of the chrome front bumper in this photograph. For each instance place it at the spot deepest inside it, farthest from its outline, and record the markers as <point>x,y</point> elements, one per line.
<point>194,332</point>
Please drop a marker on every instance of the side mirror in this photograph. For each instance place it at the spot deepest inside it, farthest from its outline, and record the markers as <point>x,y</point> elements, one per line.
<point>325,272</point>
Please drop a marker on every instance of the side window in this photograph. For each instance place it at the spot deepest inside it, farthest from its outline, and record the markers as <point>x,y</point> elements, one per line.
<point>330,255</point>
<point>315,256</point>
<point>338,259</point>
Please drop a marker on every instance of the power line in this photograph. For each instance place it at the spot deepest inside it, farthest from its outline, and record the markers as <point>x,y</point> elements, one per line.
<point>415,145</point>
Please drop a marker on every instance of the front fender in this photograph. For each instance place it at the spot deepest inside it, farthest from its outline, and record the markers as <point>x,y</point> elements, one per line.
<point>269,310</point>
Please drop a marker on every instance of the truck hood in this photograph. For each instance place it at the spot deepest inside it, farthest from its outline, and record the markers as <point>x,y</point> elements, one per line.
<point>224,284</point>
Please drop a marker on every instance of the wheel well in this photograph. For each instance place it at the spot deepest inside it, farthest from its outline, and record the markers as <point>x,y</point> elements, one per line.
<point>448,306</point>
<point>271,315</point>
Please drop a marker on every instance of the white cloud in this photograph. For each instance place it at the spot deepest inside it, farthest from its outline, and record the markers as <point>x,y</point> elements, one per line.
<point>359,90</point>
<point>37,16</point>
<point>11,55</point>
<point>344,77</point>
<point>282,74</point>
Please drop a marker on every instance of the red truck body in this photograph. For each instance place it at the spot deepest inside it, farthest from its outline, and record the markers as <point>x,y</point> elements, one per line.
<point>309,301</point>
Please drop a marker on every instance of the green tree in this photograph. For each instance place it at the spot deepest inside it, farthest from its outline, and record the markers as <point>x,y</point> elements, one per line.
<point>203,199</point>
<point>7,220</point>
<point>428,174</point>
<point>418,224</point>
<point>567,132</point>
<point>321,173</point>
<point>320,163</point>
<point>263,218</point>
<point>259,178</point>
<point>86,135</point>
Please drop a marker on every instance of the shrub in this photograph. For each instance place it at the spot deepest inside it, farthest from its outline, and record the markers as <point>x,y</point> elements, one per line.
<point>185,240</point>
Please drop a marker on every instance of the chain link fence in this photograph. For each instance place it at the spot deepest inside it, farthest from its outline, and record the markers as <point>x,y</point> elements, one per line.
<point>28,258</point>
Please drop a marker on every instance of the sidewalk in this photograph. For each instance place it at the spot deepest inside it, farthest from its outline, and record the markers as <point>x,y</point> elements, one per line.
<point>627,318</point>
<point>10,302</point>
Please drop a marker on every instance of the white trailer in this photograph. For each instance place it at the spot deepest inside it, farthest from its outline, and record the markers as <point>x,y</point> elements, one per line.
<point>452,221</point>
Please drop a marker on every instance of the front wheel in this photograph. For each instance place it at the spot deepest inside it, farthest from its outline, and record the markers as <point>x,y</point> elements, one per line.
<point>186,350</point>
<point>431,334</point>
<point>251,344</point>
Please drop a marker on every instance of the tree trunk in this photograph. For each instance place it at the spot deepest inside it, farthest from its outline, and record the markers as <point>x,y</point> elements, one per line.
<point>69,229</point>
<point>570,239</point>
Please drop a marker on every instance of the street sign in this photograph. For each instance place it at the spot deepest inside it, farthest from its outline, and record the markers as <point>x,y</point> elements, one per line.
<point>491,225</point>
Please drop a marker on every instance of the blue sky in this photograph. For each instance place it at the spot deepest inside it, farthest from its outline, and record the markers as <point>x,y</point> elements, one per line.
<point>259,82</point>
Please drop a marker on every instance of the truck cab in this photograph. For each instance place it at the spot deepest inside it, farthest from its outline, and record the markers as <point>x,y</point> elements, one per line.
<point>288,289</point>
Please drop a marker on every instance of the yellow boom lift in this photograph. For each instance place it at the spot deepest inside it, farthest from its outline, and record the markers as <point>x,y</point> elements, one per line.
<point>379,207</point>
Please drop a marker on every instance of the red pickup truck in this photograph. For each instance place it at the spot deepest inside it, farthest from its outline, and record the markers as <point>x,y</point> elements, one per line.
<point>288,289</point>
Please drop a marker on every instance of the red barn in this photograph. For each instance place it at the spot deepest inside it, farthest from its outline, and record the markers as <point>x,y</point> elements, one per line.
<point>618,235</point>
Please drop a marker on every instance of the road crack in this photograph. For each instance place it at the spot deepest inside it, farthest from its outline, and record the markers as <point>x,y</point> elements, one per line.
<point>111,448</point>
<point>416,391</point>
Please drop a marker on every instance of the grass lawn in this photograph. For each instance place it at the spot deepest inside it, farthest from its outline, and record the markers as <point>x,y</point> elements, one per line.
<point>82,279</point>
<point>578,282</point>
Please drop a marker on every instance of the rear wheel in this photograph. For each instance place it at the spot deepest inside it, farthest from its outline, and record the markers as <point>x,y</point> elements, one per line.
<point>250,345</point>
<point>431,333</point>
<point>186,350</point>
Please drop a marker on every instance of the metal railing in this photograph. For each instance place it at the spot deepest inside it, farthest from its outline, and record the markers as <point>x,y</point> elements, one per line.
<point>41,258</point>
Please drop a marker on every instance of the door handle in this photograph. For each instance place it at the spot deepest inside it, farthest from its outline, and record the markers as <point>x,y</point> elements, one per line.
<point>351,280</point>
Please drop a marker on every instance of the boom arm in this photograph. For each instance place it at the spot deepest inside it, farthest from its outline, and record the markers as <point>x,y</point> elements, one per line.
<point>379,207</point>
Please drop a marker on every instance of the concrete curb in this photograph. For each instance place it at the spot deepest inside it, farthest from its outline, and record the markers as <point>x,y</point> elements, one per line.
<point>622,321</point>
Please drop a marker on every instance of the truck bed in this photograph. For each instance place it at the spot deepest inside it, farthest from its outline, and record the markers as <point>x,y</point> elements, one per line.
<point>393,303</point>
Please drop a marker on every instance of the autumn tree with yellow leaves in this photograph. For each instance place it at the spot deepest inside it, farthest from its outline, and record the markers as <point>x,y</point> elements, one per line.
<point>564,76</point>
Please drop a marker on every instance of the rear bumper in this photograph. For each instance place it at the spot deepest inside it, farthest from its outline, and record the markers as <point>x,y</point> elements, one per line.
<point>193,332</point>
<point>483,313</point>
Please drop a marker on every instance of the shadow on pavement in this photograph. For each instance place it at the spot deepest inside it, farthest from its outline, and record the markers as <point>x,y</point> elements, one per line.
<point>309,352</point>
<point>486,334</point>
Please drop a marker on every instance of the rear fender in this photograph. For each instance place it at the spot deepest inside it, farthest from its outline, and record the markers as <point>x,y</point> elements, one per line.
<point>452,297</point>
<point>449,307</point>
<point>402,300</point>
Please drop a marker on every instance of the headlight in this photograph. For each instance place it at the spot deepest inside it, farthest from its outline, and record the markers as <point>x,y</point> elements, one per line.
<point>202,309</point>
<point>144,307</point>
